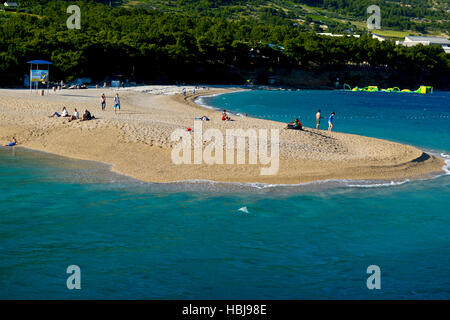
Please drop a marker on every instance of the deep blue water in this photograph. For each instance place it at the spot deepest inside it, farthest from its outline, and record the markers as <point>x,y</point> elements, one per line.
<point>190,241</point>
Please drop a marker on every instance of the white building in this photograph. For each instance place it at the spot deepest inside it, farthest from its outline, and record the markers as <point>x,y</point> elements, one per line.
<point>337,35</point>
<point>411,41</point>
<point>11,5</point>
<point>378,37</point>
<point>426,41</point>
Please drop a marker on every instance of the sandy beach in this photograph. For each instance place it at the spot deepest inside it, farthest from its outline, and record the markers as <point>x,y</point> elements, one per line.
<point>137,141</point>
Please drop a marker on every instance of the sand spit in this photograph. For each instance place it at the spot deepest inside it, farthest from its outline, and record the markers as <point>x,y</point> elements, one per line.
<point>137,141</point>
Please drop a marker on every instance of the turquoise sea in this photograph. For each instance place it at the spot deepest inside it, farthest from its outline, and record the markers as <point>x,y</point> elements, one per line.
<point>135,240</point>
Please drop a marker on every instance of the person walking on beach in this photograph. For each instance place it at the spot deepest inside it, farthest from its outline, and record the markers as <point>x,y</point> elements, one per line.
<point>103,101</point>
<point>116,103</point>
<point>330,122</point>
<point>318,117</point>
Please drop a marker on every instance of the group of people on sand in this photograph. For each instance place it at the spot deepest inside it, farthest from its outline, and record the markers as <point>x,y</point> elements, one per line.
<point>184,91</point>
<point>87,114</point>
<point>76,116</point>
<point>194,90</point>
<point>297,125</point>
<point>116,103</point>
<point>330,120</point>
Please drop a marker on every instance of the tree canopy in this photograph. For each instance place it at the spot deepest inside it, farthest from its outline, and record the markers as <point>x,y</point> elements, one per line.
<point>155,45</point>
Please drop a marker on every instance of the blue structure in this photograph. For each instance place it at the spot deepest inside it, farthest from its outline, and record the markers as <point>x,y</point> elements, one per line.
<point>37,63</point>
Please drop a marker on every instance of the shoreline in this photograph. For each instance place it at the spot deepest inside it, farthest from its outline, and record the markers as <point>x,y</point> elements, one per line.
<point>136,143</point>
<point>234,186</point>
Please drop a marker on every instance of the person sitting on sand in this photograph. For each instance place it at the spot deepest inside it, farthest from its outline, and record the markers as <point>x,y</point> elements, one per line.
<point>12,143</point>
<point>330,122</point>
<point>87,116</point>
<point>76,116</point>
<point>296,125</point>
<point>203,118</point>
<point>225,116</point>
<point>63,114</point>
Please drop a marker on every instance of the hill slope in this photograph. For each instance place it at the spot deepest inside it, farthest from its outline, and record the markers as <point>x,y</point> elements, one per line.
<point>207,42</point>
<point>405,16</point>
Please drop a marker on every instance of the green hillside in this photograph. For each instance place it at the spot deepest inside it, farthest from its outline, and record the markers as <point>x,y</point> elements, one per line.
<point>213,42</point>
<point>407,16</point>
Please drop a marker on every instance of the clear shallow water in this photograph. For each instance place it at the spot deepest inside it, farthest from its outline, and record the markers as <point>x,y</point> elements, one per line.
<point>190,241</point>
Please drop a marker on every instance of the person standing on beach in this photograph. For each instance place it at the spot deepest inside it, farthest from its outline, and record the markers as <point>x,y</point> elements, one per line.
<point>116,103</point>
<point>318,117</point>
<point>330,122</point>
<point>103,101</point>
